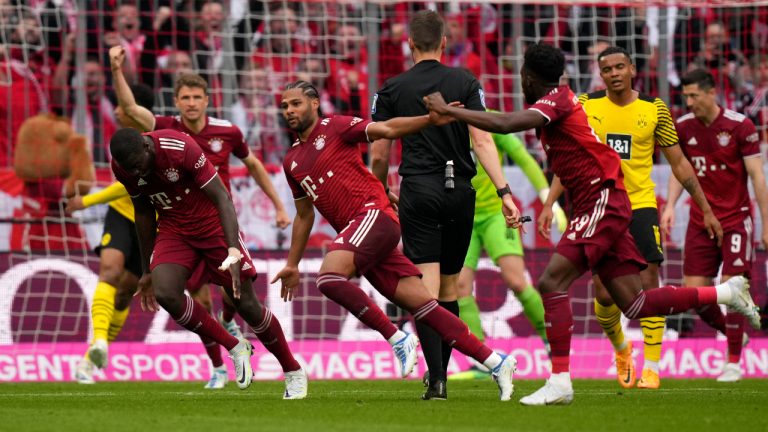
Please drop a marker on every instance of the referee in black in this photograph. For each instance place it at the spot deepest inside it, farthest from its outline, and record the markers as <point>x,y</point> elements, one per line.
<point>437,201</point>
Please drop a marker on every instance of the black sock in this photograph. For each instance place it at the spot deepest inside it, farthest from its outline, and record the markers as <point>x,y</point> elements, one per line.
<point>452,307</point>
<point>431,347</point>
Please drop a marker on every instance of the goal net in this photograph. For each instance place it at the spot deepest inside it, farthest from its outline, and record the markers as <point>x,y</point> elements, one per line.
<point>57,109</point>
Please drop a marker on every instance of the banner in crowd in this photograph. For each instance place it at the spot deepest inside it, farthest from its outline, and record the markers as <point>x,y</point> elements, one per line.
<point>45,322</point>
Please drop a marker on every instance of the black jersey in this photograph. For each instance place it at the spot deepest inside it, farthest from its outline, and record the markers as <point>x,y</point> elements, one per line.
<point>426,152</point>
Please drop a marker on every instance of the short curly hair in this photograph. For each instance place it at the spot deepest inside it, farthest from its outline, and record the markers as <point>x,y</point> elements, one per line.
<point>545,61</point>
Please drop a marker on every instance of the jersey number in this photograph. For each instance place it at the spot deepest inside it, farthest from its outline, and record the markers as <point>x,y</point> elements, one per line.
<point>621,143</point>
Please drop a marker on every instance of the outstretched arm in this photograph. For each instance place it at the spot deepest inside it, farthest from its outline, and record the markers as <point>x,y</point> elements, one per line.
<point>260,176</point>
<point>489,121</point>
<point>140,115</point>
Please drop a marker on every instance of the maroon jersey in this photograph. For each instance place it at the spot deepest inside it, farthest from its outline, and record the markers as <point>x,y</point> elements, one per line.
<point>717,153</point>
<point>175,185</point>
<point>328,169</point>
<point>574,151</point>
<point>218,139</point>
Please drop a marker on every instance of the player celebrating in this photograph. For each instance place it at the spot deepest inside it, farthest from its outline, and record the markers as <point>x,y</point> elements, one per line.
<point>504,246</point>
<point>324,169</point>
<point>632,124</point>
<point>167,172</point>
<point>218,139</point>
<point>724,147</point>
<point>598,237</point>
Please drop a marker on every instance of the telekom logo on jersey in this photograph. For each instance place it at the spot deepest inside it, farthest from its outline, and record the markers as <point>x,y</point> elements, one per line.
<point>310,186</point>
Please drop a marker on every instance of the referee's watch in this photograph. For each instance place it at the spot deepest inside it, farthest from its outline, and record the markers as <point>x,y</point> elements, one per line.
<point>503,191</point>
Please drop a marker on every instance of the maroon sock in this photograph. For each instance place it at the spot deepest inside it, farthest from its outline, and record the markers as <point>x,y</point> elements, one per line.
<point>558,319</point>
<point>337,288</point>
<point>227,311</point>
<point>196,319</point>
<point>713,316</point>
<point>669,300</point>
<point>734,333</point>
<point>213,349</point>
<point>452,330</point>
<point>271,335</point>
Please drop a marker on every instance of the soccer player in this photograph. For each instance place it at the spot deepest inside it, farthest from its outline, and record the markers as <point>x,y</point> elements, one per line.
<point>724,148</point>
<point>503,245</point>
<point>219,139</point>
<point>119,259</point>
<point>167,172</point>
<point>598,237</point>
<point>324,170</point>
<point>632,124</point>
<point>436,203</point>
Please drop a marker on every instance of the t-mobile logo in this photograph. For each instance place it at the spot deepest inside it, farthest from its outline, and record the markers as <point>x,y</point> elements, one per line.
<point>309,187</point>
<point>161,199</point>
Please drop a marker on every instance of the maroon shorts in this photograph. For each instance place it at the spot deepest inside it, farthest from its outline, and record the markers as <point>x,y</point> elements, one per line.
<point>702,256</point>
<point>201,256</point>
<point>373,237</point>
<point>599,238</point>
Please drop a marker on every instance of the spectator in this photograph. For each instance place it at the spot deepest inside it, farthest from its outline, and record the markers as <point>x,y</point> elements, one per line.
<point>725,63</point>
<point>348,81</point>
<point>279,47</point>
<point>172,66</point>
<point>21,97</point>
<point>756,107</point>
<point>256,114</point>
<point>127,33</point>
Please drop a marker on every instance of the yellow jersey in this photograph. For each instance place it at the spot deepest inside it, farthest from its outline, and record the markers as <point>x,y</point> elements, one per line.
<point>633,132</point>
<point>117,197</point>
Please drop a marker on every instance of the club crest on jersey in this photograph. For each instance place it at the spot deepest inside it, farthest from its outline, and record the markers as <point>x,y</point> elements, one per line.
<point>319,142</point>
<point>172,174</point>
<point>723,138</point>
<point>642,121</point>
<point>216,144</point>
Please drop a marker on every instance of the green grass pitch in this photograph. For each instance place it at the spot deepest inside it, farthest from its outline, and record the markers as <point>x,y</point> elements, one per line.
<point>680,405</point>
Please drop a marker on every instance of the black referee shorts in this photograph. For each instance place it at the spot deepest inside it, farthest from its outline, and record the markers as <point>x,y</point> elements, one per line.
<point>645,230</point>
<point>436,223</point>
<point>120,233</point>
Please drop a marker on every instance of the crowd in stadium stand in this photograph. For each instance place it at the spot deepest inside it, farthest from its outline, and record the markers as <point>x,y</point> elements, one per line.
<point>248,53</point>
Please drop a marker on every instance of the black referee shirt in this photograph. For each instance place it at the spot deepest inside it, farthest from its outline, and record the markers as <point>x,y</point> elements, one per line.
<point>426,152</point>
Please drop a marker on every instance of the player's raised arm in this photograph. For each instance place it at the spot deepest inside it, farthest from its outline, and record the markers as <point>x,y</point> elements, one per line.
<point>488,121</point>
<point>140,115</point>
<point>302,226</point>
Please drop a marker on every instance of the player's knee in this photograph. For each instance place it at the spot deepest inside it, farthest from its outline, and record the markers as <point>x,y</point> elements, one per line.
<point>123,299</point>
<point>603,298</point>
<point>110,273</point>
<point>547,284</point>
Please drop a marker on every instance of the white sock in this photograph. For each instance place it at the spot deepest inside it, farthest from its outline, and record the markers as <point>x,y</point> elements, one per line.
<point>562,380</point>
<point>492,361</point>
<point>397,337</point>
<point>724,293</point>
<point>652,365</point>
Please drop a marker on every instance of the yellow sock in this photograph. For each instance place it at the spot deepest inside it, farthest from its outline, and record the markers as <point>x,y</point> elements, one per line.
<point>609,318</point>
<point>118,320</point>
<point>103,309</point>
<point>653,332</point>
